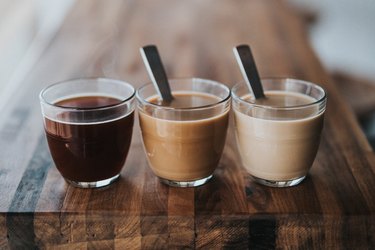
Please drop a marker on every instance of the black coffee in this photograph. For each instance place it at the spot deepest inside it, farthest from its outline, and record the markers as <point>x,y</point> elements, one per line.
<point>89,152</point>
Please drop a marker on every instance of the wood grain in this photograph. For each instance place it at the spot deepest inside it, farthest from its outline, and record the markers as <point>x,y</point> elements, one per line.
<point>333,208</point>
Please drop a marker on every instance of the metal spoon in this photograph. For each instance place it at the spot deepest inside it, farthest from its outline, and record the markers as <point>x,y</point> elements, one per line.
<point>156,71</point>
<point>249,70</point>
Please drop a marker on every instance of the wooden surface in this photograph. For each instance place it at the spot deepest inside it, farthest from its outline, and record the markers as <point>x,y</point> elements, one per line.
<point>333,208</point>
<point>359,92</point>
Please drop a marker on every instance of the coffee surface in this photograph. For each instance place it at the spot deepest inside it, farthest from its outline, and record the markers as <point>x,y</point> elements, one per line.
<point>89,152</point>
<point>88,102</point>
<point>283,99</point>
<point>267,108</point>
<point>187,100</point>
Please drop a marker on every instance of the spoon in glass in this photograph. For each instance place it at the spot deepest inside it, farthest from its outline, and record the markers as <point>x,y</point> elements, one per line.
<point>249,70</point>
<point>156,72</point>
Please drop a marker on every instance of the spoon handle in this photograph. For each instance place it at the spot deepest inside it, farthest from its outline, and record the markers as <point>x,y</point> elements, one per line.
<point>156,71</point>
<point>249,70</point>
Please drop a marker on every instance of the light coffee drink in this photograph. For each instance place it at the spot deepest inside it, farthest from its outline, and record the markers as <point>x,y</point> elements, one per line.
<point>184,150</point>
<point>278,137</point>
<point>184,139</point>
<point>288,143</point>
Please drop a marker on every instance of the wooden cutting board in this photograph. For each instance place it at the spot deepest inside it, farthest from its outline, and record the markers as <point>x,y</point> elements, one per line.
<point>333,208</point>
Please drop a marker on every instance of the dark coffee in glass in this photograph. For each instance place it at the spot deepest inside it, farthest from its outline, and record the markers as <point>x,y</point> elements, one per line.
<point>89,123</point>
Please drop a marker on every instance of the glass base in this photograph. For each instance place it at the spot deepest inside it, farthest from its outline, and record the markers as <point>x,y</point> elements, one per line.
<point>287,183</point>
<point>194,183</point>
<point>94,184</point>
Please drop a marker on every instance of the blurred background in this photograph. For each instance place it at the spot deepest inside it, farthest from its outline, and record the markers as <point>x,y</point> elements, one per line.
<point>341,33</point>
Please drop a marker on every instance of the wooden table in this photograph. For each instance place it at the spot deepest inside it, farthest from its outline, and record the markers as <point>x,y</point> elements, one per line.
<point>333,208</point>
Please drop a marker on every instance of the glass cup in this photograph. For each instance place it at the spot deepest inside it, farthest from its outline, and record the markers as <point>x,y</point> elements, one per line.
<point>88,124</point>
<point>278,138</point>
<point>184,144</point>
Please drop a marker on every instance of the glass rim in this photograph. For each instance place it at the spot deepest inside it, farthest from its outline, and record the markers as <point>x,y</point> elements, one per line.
<point>144,101</point>
<point>292,107</point>
<point>102,107</point>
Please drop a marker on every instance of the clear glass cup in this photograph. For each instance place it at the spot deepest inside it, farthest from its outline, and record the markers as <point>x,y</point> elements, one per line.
<point>88,123</point>
<point>278,142</point>
<point>184,144</point>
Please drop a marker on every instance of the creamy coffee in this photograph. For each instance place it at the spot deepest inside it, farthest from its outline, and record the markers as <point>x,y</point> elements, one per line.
<point>277,144</point>
<point>188,147</point>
